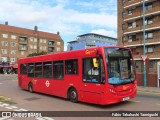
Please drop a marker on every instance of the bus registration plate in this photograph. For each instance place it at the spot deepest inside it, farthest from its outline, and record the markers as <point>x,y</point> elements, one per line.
<point>126,98</point>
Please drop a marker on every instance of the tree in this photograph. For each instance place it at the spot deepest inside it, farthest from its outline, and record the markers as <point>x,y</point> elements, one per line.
<point>37,54</point>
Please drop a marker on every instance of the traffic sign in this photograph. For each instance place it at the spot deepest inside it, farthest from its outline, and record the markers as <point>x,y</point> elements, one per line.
<point>144,57</point>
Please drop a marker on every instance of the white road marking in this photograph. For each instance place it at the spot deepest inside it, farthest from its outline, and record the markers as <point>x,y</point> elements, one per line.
<point>21,109</point>
<point>9,108</point>
<point>44,118</point>
<point>1,83</point>
<point>48,118</point>
<point>4,105</point>
<point>6,118</point>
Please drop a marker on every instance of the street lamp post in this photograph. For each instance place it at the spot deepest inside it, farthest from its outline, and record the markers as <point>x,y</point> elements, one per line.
<point>144,42</point>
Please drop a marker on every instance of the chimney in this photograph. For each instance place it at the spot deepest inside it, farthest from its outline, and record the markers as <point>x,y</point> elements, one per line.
<point>35,28</point>
<point>58,33</point>
<point>6,23</point>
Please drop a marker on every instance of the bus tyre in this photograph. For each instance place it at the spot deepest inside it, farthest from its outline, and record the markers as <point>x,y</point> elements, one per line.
<point>30,87</point>
<point>73,95</point>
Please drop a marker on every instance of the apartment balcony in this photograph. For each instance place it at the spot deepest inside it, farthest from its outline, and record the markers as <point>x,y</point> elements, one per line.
<point>22,48</point>
<point>50,49</point>
<point>134,15</point>
<point>23,42</point>
<point>153,26</point>
<point>137,42</point>
<point>51,44</point>
<point>151,56</point>
<point>139,14</point>
<point>139,28</point>
<point>131,3</point>
<point>155,10</point>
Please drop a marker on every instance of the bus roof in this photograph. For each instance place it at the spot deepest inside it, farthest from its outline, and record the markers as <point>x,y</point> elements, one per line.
<point>73,52</point>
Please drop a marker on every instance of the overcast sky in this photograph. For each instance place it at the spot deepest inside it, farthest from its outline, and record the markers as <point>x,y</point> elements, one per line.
<point>70,17</point>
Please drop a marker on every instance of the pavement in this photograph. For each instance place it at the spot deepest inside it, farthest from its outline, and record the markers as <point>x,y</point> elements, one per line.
<point>155,90</point>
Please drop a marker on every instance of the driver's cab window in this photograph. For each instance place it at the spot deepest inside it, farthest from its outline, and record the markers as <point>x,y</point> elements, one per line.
<point>92,70</point>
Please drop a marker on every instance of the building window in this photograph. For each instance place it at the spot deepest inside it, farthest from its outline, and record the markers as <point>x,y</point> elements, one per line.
<point>4,43</point>
<point>13,37</point>
<point>149,35</point>
<point>148,21</point>
<point>31,46</point>
<point>35,39</point>
<point>132,37</point>
<point>13,44</point>
<point>148,7</point>
<point>58,49</point>
<point>4,51</point>
<point>149,49</point>
<point>12,60</point>
<point>58,70</point>
<point>129,12</point>
<point>13,51</point>
<point>5,35</point>
<point>22,52</point>
<point>47,69</point>
<point>35,46</point>
<point>139,66</point>
<point>4,59</point>
<point>38,70</point>
<point>58,43</point>
<point>31,39</point>
<point>71,66</point>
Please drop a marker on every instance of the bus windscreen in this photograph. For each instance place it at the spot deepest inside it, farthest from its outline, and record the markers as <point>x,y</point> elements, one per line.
<point>120,66</point>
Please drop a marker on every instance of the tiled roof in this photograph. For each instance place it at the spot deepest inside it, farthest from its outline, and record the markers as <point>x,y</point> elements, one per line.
<point>30,32</point>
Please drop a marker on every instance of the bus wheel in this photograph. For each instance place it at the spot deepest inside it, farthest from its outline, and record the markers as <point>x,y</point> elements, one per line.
<point>73,95</point>
<point>30,87</point>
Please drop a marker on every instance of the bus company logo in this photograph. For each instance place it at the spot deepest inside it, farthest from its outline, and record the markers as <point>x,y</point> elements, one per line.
<point>125,87</point>
<point>88,52</point>
<point>34,81</point>
<point>47,83</point>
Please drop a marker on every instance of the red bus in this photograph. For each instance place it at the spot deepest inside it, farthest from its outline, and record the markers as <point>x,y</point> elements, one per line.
<point>101,75</point>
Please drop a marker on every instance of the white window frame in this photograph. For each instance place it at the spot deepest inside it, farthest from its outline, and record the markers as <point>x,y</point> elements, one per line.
<point>4,59</point>
<point>13,44</point>
<point>58,43</point>
<point>5,35</point>
<point>13,37</point>
<point>13,51</point>
<point>4,43</point>
<point>4,51</point>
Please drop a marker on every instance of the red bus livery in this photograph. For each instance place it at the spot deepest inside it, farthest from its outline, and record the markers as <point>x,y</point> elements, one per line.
<point>102,75</point>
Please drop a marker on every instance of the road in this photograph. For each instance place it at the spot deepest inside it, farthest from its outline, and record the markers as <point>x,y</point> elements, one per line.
<point>24,101</point>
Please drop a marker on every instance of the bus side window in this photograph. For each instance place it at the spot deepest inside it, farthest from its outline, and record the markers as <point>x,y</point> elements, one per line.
<point>91,70</point>
<point>31,70</point>
<point>71,66</point>
<point>38,70</point>
<point>47,69</point>
<point>23,68</point>
<point>58,70</point>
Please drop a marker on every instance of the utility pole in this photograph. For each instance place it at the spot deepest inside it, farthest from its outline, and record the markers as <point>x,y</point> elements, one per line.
<point>144,43</point>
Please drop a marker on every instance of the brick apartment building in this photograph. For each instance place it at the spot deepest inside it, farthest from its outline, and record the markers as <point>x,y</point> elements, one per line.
<point>18,42</point>
<point>130,34</point>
